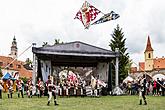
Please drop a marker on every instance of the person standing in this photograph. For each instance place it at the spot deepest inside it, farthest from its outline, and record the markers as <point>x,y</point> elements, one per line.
<point>42,88</point>
<point>162,88</point>
<point>10,88</point>
<point>30,88</point>
<point>49,85</point>
<point>38,86</point>
<point>54,91</point>
<point>97,88</point>
<point>158,86</point>
<point>142,90</point>
<point>93,86</point>
<point>20,88</point>
<point>154,87</point>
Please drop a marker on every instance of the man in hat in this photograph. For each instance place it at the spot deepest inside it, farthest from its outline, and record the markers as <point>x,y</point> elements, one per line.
<point>39,87</point>
<point>54,91</point>
<point>51,89</point>
<point>142,90</point>
<point>10,88</point>
<point>19,84</point>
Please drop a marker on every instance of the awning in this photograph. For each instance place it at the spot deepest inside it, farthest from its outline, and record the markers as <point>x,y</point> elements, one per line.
<point>6,76</point>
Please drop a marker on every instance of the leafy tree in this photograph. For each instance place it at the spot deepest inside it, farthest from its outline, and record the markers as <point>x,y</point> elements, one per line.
<point>118,41</point>
<point>24,79</point>
<point>28,63</point>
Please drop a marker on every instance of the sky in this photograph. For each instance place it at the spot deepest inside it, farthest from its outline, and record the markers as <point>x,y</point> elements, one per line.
<point>38,21</point>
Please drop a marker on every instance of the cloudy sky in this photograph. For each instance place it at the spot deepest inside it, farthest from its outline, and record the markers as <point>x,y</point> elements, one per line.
<point>45,20</point>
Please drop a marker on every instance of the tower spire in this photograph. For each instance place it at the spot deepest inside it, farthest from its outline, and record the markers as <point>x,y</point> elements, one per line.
<point>13,53</point>
<point>14,38</point>
<point>148,47</point>
<point>149,57</point>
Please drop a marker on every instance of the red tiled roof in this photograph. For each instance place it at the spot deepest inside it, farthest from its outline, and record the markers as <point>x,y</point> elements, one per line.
<point>148,47</point>
<point>141,66</point>
<point>16,65</point>
<point>159,63</point>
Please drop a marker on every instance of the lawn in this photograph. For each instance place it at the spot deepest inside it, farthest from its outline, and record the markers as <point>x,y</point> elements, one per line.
<point>86,103</point>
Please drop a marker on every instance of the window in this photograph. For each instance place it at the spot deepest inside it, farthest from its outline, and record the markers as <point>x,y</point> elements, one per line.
<point>11,65</point>
<point>18,66</point>
<point>149,55</point>
<point>1,63</point>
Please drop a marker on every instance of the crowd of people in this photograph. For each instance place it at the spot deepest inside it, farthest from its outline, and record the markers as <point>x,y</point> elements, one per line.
<point>53,86</point>
<point>153,87</point>
<point>70,87</point>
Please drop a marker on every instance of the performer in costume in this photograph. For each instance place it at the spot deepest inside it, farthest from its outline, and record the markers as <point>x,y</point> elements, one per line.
<point>19,84</point>
<point>142,90</point>
<point>39,87</point>
<point>49,85</point>
<point>29,88</point>
<point>51,88</point>
<point>97,88</point>
<point>42,89</point>
<point>67,88</point>
<point>10,88</point>
<point>84,88</point>
<point>93,85</point>
<point>54,91</point>
<point>75,88</point>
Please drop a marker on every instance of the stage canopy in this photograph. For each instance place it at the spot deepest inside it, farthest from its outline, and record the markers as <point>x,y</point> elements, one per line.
<point>160,76</point>
<point>74,54</point>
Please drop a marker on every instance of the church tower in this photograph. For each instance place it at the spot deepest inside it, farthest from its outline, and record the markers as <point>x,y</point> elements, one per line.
<point>149,61</point>
<point>14,49</point>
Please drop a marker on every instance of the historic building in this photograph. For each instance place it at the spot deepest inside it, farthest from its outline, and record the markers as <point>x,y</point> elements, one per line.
<point>10,64</point>
<point>14,50</point>
<point>150,65</point>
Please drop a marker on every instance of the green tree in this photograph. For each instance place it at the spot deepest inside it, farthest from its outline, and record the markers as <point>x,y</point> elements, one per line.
<point>118,41</point>
<point>24,79</point>
<point>28,63</point>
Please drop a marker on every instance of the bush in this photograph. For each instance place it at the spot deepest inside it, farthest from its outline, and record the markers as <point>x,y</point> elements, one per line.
<point>24,80</point>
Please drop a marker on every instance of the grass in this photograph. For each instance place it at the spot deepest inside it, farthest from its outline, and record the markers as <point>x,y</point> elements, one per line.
<point>86,103</point>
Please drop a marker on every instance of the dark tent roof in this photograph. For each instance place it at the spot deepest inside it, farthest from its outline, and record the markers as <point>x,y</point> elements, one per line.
<point>76,48</point>
<point>74,54</point>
